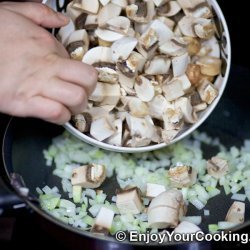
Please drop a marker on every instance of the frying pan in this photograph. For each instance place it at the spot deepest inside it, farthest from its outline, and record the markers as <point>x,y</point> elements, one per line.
<point>25,140</point>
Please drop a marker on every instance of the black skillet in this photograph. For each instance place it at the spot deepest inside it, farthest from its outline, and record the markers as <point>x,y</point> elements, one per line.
<point>25,140</point>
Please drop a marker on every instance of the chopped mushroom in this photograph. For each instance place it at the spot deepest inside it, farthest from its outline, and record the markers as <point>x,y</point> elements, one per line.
<point>217,167</point>
<point>182,176</point>
<point>157,61</point>
<point>236,213</point>
<point>153,190</point>
<point>88,176</point>
<point>166,209</point>
<point>83,122</point>
<point>103,221</point>
<point>129,201</point>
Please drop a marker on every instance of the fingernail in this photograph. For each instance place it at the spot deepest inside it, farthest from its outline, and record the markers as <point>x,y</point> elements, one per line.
<point>62,17</point>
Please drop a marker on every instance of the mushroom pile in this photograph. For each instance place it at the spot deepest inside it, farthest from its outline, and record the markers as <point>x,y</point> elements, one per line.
<point>156,62</point>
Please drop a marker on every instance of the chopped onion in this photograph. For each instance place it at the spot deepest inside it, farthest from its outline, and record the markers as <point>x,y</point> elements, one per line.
<point>239,197</point>
<point>192,219</point>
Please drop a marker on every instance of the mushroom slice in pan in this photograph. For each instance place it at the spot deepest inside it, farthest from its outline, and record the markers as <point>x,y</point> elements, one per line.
<point>148,39</point>
<point>103,221</point>
<point>169,9</point>
<point>236,213</point>
<point>179,64</point>
<point>141,11</point>
<point>166,209</point>
<point>101,129</point>
<point>82,122</point>
<point>159,65</point>
<point>153,190</point>
<point>193,73</point>
<point>167,21</point>
<point>202,11</point>
<point>193,45</point>
<point>210,65</point>
<point>129,201</point>
<point>186,26</point>
<point>89,176</point>
<point>207,91</point>
<point>144,88</point>
<point>217,167</point>
<point>108,12</point>
<point>184,104</point>
<point>122,48</point>
<point>182,176</point>
<point>88,6</point>
<point>78,44</point>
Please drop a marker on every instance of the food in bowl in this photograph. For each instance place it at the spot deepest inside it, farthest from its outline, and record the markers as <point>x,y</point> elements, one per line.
<point>157,61</point>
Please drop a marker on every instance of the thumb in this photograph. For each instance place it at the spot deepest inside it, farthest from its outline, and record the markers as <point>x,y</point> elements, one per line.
<point>40,14</point>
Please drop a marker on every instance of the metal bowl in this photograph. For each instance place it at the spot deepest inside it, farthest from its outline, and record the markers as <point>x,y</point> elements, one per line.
<point>221,81</point>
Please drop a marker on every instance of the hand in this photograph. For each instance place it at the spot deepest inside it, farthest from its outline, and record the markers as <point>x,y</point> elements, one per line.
<point>37,78</point>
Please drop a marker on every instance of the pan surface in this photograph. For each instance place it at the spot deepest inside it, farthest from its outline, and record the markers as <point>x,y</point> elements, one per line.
<point>25,139</point>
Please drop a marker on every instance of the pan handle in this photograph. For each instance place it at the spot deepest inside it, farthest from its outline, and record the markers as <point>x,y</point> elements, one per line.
<point>8,199</point>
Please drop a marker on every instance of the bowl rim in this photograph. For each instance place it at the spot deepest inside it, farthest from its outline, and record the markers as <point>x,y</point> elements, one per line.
<point>69,127</point>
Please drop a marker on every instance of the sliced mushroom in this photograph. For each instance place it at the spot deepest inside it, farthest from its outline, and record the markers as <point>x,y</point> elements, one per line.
<point>121,3</point>
<point>104,2</point>
<point>118,24</point>
<point>202,10</point>
<point>186,26</point>
<point>137,107</point>
<point>88,6</point>
<point>173,48</point>
<point>173,119</point>
<point>186,227</point>
<point>107,35</point>
<point>101,129</point>
<point>167,21</point>
<point>182,176</point>
<point>194,45</point>
<point>144,88</point>
<point>158,65</point>
<point>185,105</point>
<point>129,201</point>
<point>207,91</point>
<point>157,106</point>
<point>204,28</point>
<point>217,167</point>
<point>97,55</point>
<point>210,65</point>
<point>169,9</point>
<point>179,64</point>
<point>132,65</point>
<point>190,4</point>
<point>116,139</point>
<point>166,209</point>
<point>159,2</point>
<point>193,73</point>
<point>107,75</point>
<point>88,176</point>
<point>148,39</point>
<point>122,48</point>
<point>98,94</point>
<point>169,135</point>
<point>173,90</point>
<point>127,83</point>
<point>141,11</point>
<point>73,13</point>
<point>112,94</point>
<point>236,213</point>
<point>108,12</point>
<point>103,221</point>
<point>153,190</point>
<point>82,122</point>
<point>78,44</point>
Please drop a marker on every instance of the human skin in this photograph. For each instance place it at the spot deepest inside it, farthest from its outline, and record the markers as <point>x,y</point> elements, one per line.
<point>38,79</point>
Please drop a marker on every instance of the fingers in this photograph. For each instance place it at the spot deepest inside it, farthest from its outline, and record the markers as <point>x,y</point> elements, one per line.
<point>47,109</point>
<point>70,95</point>
<point>77,72</point>
<point>38,13</point>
